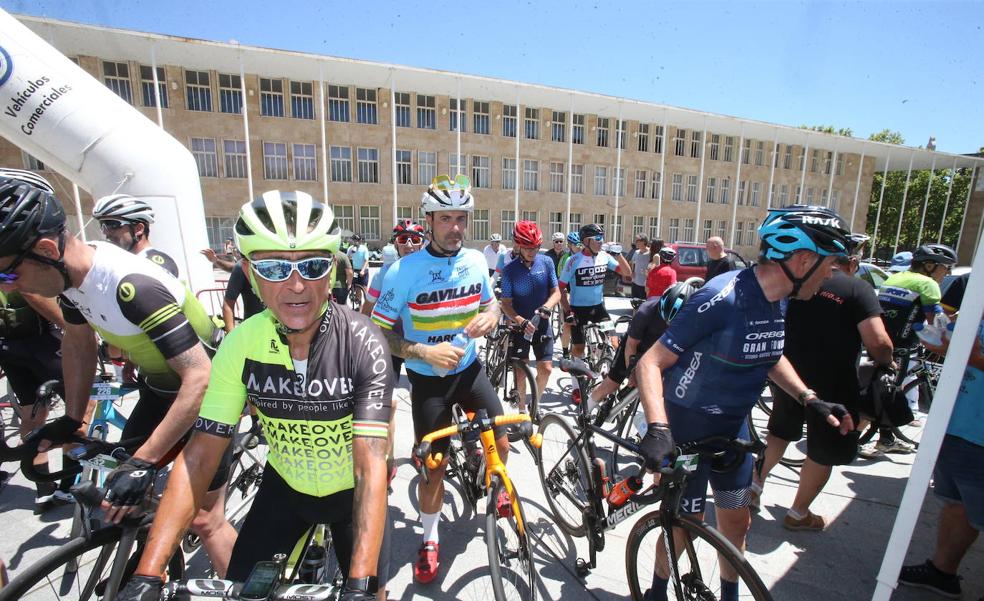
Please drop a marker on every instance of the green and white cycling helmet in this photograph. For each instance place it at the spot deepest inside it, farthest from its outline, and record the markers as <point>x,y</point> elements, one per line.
<point>290,221</point>
<point>446,194</point>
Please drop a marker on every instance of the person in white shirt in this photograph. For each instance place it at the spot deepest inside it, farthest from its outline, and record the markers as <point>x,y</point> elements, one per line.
<point>492,251</point>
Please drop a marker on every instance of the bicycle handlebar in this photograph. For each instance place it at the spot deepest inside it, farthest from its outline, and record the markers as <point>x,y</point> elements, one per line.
<point>227,589</point>
<point>422,451</point>
<point>90,448</point>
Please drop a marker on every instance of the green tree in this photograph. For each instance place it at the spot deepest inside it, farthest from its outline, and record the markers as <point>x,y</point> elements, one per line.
<point>888,136</point>
<point>830,129</point>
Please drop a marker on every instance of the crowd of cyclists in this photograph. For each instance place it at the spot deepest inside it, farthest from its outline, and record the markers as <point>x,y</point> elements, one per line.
<point>318,377</point>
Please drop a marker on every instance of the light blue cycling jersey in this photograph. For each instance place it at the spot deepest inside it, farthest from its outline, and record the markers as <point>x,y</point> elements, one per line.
<point>584,277</point>
<point>435,297</point>
<point>504,259</point>
<point>358,255</point>
<point>728,336</point>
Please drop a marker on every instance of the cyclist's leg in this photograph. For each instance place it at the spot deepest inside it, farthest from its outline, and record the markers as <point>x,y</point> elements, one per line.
<point>543,350</point>
<point>825,448</point>
<point>217,534</point>
<point>519,350</point>
<point>581,316</point>
<point>475,392</point>
<point>785,426</point>
<point>600,316</point>
<point>616,375</point>
<point>431,410</point>
<point>21,367</point>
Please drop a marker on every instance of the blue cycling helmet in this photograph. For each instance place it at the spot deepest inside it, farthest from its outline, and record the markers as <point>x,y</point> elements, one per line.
<point>803,227</point>
<point>574,238</point>
<point>673,300</point>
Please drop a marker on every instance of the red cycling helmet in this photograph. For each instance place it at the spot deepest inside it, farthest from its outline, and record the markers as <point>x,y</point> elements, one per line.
<point>407,226</point>
<point>527,233</point>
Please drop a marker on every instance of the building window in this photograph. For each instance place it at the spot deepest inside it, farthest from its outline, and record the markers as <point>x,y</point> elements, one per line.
<point>787,159</point>
<point>760,153</point>
<point>708,227</point>
<point>531,124</point>
<point>638,226</point>
<point>508,173</point>
<point>457,163</point>
<point>711,189</point>
<point>531,175</point>
<point>556,177</point>
<point>301,100</point>
<point>402,106</point>
<point>577,133</point>
<point>715,147</point>
<point>746,152</point>
<point>199,92</point>
<point>620,134</point>
<point>219,230</point>
<point>602,132</point>
<point>741,192</point>
<point>722,229</point>
<point>657,185</point>
<point>147,86</point>
<point>369,221</point>
<point>833,199</point>
<point>32,163</point>
<point>695,139</point>
<point>725,190</point>
<point>274,160</point>
<point>533,216</point>
<point>674,233</point>
<point>555,222</point>
<point>739,233</point>
<point>750,234</point>
<point>272,97</point>
<point>599,218</point>
<point>403,167</point>
<point>654,228</point>
<point>203,149</point>
<point>509,120</point>
<point>729,148</point>
<point>680,142</point>
<point>756,193</point>
<point>601,181</point>
<point>809,195</point>
<point>231,94</point>
<point>688,230</point>
<point>365,106</point>
<point>456,115</point>
<point>775,156</point>
<point>507,223</point>
<point>676,187</point>
<point>426,167</point>
<point>481,172</point>
<point>839,170</point>
<point>338,103</point>
<point>643,136</point>
<point>814,160</point>
<point>827,160</point>
<point>305,163</point>
<point>619,183</point>
<point>345,216</point>
<point>577,179</point>
<point>783,195</point>
<point>799,194</point>
<point>658,140</point>
<point>617,229</point>
<point>404,213</point>
<point>117,78</point>
<point>692,188</point>
<point>368,165</point>
<point>480,224</point>
<point>558,127</point>
<point>480,117</point>
<point>575,222</point>
<point>823,197</point>
<point>341,163</point>
<point>640,183</point>
<point>235,158</point>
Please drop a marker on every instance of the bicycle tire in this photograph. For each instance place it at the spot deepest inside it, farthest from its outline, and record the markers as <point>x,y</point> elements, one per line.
<point>505,380</point>
<point>30,584</point>
<point>509,549</point>
<point>565,473</point>
<point>624,428</point>
<point>704,546</point>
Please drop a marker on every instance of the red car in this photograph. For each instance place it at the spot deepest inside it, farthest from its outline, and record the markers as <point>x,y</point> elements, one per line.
<point>691,260</point>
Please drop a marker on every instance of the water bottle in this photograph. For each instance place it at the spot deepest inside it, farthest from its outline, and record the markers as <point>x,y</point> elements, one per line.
<point>948,332</point>
<point>639,421</point>
<point>928,334</point>
<point>940,319</point>
<point>312,568</point>
<point>622,491</point>
<point>535,322</point>
<point>461,341</point>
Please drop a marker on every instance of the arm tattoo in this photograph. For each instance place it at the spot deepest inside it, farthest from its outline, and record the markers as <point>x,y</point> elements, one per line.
<point>401,347</point>
<point>193,357</point>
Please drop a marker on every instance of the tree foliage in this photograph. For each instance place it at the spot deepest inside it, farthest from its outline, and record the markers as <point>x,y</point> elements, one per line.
<point>830,129</point>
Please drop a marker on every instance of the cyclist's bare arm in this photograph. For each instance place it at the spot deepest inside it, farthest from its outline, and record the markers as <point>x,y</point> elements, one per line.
<point>187,486</point>
<point>228,314</point>
<point>553,299</point>
<point>444,355</point>
<point>367,307</point>
<point>876,340</point>
<point>624,269</point>
<point>565,301</point>
<point>649,376</point>
<point>369,504</point>
<point>631,348</point>
<point>193,367</point>
<point>45,307</point>
<point>484,322</point>
<point>508,311</point>
<point>79,353</point>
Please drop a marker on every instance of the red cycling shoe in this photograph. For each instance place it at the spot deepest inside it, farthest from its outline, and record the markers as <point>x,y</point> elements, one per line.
<point>425,570</point>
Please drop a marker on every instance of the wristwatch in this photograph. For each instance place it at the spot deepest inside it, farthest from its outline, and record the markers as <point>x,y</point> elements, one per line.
<point>806,395</point>
<point>366,584</point>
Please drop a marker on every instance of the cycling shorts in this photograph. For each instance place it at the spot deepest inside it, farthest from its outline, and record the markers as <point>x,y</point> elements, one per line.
<point>431,399</point>
<point>824,444</point>
<point>618,371</point>
<point>959,477</point>
<point>280,516</point>
<point>362,279</point>
<point>542,343</point>
<point>148,413</point>
<point>590,314</point>
<point>731,487</point>
<point>397,366</point>
<point>639,292</point>
<point>30,362</point>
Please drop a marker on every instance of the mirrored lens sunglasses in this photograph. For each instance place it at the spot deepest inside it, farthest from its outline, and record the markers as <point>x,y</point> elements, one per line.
<point>279,270</point>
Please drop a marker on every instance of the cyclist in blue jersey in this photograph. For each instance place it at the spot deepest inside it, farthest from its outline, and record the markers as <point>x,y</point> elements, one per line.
<point>529,287</point>
<point>713,360</point>
<point>358,254</point>
<point>443,297</point>
<point>582,283</point>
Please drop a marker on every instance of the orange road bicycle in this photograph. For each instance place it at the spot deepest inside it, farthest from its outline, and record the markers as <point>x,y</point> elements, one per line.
<point>474,461</point>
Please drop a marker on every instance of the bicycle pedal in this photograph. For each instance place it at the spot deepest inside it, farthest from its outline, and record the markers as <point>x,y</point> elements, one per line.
<point>581,567</point>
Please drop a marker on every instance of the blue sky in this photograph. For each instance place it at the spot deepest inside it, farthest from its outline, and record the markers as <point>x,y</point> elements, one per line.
<point>909,66</point>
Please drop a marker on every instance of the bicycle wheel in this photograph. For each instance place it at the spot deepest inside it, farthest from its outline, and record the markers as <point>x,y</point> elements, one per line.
<point>704,554</point>
<point>624,427</point>
<point>51,579</point>
<point>565,474</point>
<point>356,294</point>
<point>508,374</point>
<point>510,554</point>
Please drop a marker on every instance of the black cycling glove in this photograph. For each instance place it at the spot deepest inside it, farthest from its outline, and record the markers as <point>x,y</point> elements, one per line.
<point>825,409</point>
<point>141,588</point>
<point>59,430</point>
<point>127,484</point>
<point>544,312</point>
<point>657,445</point>
<point>571,319</point>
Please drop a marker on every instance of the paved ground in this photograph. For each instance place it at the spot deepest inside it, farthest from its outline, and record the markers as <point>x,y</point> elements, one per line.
<point>860,503</point>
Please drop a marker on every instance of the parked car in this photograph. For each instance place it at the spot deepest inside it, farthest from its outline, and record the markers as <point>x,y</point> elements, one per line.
<point>872,274</point>
<point>691,260</point>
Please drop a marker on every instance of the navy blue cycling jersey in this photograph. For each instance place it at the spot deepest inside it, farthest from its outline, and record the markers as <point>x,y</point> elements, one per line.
<point>728,336</point>
<point>528,287</point>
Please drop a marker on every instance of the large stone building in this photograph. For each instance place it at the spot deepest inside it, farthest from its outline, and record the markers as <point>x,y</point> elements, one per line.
<point>368,137</point>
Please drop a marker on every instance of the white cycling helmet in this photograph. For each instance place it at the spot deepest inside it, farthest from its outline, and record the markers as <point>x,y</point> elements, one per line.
<point>123,207</point>
<point>446,194</point>
<point>558,237</point>
<point>289,221</point>
<point>28,177</point>
<point>495,238</point>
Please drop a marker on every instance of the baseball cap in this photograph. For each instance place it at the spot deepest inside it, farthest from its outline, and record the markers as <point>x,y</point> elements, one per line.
<point>901,261</point>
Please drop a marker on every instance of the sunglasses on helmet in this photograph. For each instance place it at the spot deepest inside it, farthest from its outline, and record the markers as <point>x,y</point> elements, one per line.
<point>444,182</point>
<point>409,238</point>
<point>279,270</point>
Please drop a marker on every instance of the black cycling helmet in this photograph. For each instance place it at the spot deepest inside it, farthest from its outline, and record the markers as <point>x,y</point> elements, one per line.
<point>27,213</point>
<point>937,253</point>
<point>590,231</point>
<point>673,300</point>
<point>856,242</point>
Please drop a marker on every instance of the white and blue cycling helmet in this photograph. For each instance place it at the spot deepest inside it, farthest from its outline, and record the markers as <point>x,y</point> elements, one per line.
<point>802,227</point>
